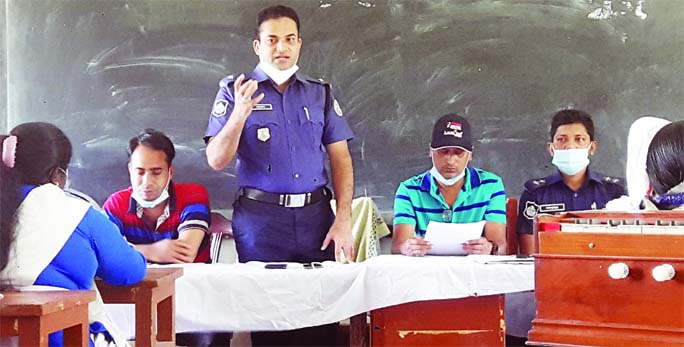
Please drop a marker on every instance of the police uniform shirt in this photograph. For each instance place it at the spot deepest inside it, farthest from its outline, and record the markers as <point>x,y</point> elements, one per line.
<point>281,147</point>
<point>551,195</point>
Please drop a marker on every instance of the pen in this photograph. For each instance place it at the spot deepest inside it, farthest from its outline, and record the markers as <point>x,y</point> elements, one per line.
<point>306,110</point>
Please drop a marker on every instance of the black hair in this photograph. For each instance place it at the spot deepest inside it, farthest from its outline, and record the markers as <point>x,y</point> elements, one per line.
<point>156,140</point>
<point>564,117</point>
<point>665,158</point>
<point>41,148</point>
<point>9,202</point>
<point>275,12</point>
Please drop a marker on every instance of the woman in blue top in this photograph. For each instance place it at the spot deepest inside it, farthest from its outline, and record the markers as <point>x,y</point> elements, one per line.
<point>50,239</point>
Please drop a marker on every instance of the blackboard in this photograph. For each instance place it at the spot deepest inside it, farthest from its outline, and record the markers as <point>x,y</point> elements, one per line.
<point>104,70</point>
<point>3,73</point>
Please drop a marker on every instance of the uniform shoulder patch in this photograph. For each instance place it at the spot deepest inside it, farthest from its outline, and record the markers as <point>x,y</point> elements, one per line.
<point>220,107</point>
<point>337,108</point>
<point>531,210</point>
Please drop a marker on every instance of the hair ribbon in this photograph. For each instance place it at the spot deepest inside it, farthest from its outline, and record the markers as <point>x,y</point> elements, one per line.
<point>9,150</point>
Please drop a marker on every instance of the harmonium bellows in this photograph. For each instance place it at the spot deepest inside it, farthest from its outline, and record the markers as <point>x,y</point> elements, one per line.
<point>609,279</point>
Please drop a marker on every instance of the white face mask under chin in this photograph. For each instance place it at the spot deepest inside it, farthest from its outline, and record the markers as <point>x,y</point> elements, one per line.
<point>278,76</point>
<point>571,161</point>
<point>153,203</point>
<point>443,180</point>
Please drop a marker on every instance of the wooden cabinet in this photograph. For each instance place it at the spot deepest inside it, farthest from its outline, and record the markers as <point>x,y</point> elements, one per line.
<point>471,321</point>
<point>598,288</point>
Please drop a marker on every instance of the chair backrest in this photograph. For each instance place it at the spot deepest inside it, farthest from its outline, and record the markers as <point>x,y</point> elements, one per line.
<point>511,221</point>
<point>222,242</point>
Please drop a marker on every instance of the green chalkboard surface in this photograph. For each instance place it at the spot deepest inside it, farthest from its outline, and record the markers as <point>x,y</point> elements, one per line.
<point>104,70</point>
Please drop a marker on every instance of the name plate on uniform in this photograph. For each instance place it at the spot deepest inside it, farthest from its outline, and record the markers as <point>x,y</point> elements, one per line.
<point>262,107</point>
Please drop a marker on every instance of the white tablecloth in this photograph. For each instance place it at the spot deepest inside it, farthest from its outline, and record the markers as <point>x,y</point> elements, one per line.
<point>248,297</point>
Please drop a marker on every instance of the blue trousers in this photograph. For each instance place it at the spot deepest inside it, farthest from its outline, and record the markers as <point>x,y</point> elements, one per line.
<point>271,233</point>
<point>267,232</point>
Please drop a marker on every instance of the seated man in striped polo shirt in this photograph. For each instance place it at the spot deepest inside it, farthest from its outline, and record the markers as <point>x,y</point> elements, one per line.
<point>450,192</point>
<point>166,221</point>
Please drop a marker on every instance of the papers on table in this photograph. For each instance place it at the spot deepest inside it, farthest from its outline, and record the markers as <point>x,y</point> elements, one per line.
<point>500,259</point>
<point>448,238</point>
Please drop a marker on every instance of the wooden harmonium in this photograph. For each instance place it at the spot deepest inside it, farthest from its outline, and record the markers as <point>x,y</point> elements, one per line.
<point>609,279</point>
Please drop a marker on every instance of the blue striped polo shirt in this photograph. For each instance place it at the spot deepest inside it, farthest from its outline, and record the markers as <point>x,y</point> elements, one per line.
<point>419,201</point>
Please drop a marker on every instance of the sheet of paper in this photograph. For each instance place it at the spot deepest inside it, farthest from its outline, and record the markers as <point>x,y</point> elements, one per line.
<point>448,238</point>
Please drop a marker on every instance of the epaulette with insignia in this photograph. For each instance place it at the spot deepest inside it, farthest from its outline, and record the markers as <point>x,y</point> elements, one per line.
<point>227,81</point>
<point>316,80</point>
<point>613,180</point>
<point>328,92</point>
<point>535,183</point>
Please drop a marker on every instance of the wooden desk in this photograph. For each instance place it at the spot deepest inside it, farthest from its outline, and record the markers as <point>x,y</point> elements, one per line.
<point>248,297</point>
<point>154,305</point>
<point>470,321</point>
<point>34,315</point>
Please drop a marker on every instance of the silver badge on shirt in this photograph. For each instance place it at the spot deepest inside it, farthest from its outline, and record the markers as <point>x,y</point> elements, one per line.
<point>263,134</point>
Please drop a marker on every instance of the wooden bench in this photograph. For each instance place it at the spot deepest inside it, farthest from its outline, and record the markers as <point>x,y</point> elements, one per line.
<point>154,305</point>
<point>34,315</point>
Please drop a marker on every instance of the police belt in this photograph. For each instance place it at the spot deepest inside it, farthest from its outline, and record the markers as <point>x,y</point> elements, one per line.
<point>286,200</point>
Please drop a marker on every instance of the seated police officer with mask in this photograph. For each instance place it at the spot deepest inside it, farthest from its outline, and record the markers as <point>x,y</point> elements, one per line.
<point>573,187</point>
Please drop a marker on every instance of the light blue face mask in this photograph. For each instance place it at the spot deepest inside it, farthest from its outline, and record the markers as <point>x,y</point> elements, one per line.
<point>443,180</point>
<point>570,161</point>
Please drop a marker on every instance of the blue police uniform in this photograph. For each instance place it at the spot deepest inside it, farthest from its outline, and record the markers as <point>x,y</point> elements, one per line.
<point>551,195</point>
<point>282,211</point>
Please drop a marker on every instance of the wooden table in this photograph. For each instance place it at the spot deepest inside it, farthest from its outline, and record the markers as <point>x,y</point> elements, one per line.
<point>154,305</point>
<point>34,315</point>
<point>471,321</point>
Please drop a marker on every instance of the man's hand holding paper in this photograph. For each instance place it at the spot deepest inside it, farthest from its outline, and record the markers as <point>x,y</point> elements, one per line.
<point>456,238</point>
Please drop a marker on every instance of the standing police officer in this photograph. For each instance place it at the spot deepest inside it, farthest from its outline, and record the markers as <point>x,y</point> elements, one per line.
<point>573,187</point>
<point>279,125</point>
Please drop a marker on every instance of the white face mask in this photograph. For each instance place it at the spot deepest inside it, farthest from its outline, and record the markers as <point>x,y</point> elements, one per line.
<point>150,204</point>
<point>571,161</point>
<point>67,181</point>
<point>443,180</point>
<point>278,76</point>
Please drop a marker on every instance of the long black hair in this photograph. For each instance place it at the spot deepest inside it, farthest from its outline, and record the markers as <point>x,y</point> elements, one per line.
<point>665,158</point>
<point>41,149</point>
